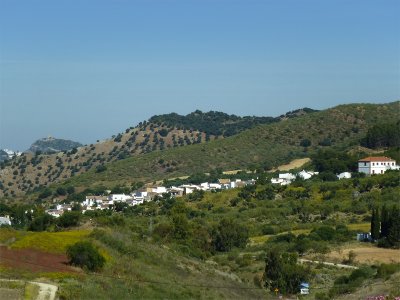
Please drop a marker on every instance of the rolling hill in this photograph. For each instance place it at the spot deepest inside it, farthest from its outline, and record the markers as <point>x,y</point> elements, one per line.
<point>264,146</point>
<point>34,170</point>
<point>267,146</point>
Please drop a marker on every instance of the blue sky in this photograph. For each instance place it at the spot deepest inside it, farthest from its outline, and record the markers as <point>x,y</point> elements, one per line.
<point>88,69</point>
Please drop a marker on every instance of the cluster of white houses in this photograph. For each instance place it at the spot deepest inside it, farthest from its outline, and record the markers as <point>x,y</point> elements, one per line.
<point>94,202</point>
<point>369,166</point>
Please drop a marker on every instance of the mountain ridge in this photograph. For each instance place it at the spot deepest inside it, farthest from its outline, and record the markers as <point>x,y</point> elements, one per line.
<point>266,146</point>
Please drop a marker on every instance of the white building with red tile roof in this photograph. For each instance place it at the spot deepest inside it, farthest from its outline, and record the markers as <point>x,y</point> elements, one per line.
<point>376,165</point>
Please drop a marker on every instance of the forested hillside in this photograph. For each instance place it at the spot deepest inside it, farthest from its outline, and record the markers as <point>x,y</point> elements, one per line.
<point>153,151</point>
<point>263,147</point>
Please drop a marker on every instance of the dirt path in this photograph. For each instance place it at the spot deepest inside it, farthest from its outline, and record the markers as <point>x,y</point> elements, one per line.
<point>342,266</point>
<point>46,291</point>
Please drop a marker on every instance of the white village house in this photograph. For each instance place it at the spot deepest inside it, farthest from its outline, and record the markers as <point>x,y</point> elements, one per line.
<point>376,165</point>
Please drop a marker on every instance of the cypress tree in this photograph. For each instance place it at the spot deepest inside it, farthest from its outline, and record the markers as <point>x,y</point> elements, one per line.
<point>375,224</point>
<point>394,229</point>
<point>385,222</point>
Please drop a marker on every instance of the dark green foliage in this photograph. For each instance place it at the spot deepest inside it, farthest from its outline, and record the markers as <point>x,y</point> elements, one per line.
<point>100,168</point>
<point>390,227</point>
<point>333,161</point>
<point>211,123</point>
<point>41,222</point>
<point>69,219</point>
<point>375,224</point>
<point>385,270</point>
<point>228,234</point>
<point>85,255</point>
<point>196,195</point>
<point>305,143</point>
<point>180,226</point>
<point>383,135</point>
<point>46,193</point>
<point>348,284</point>
<point>163,132</point>
<point>283,272</point>
<point>61,191</point>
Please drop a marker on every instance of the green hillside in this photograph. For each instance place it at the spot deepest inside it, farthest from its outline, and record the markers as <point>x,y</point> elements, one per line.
<point>38,168</point>
<point>266,146</point>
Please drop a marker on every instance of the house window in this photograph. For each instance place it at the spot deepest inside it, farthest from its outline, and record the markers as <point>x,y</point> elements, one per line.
<point>373,164</point>
<point>381,171</point>
<point>365,164</point>
<point>373,171</point>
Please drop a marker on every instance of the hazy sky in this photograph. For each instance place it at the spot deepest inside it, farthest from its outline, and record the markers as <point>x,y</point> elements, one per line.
<point>88,69</point>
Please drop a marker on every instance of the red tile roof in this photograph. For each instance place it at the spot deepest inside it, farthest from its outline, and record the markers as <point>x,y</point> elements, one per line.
<point>377,158</point>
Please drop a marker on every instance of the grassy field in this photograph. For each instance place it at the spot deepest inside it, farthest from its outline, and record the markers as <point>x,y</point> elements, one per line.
<point>362,227</point>
<point>52,242</point>
<point>365,254</point>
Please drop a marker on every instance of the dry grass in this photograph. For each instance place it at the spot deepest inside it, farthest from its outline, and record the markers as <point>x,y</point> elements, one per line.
<point>297,163</point>
<point>366,253</point>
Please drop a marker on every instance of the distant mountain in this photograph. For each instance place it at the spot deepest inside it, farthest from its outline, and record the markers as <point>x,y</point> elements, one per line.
<point>3,155</point>
<point>6,154</point>
<point>52,145</point>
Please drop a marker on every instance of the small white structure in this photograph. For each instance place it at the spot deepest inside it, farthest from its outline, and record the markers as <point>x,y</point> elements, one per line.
<point>5,221</point>
<point>159,190</point>
<point>119,197</point>
<point>304,288</point>
<point>55,212</point>
<point>307,174</point>
<point>362,237</point>
<point>376,165</point>
<point>344,175</point>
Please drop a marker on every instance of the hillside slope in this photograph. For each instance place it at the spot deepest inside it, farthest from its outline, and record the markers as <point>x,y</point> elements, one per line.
<point>266,146</point>
<point>33,170</point>
<point>154,151</point>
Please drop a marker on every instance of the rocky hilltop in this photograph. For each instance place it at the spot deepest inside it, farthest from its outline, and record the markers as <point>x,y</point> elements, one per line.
<point>52,145</point>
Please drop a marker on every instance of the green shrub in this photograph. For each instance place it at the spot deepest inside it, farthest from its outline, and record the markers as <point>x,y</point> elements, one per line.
<point>85,255</point>
<point>385,270</point>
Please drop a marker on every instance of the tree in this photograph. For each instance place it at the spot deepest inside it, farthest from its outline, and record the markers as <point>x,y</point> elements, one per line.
<point>305,143</point>
<point>393,237</point>
<point>85,255</point>
<point>229,234</point>
<point>385,221</point>
<point>375,224</point>
<point>283,272</point>
<point>69,218</point>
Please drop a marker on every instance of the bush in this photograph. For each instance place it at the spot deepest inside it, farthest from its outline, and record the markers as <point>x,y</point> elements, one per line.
<point>385,270</point>
<point>85,255</point>
<point>229,234</point>
<point>69,218</point>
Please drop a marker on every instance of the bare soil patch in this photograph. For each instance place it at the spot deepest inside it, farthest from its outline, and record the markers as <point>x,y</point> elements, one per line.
<point>34,260</point>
